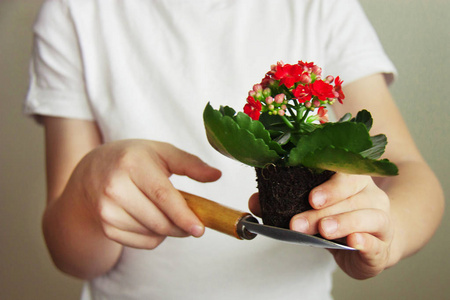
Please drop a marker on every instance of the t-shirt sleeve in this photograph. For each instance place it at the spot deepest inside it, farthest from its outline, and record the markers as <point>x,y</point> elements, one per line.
<point>56,73</point>
<point>353,49</point>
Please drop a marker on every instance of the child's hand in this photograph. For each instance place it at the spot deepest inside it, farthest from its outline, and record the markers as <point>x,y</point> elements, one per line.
<point>130,197</point>
<point>351,206</point>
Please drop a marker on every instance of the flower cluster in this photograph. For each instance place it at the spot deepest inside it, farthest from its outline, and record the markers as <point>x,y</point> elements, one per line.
<point>285,124</point>
<point>293,92</point>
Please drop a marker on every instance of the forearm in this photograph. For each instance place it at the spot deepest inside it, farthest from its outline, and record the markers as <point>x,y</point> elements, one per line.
<point>76,244</point>
<point>417,205</point>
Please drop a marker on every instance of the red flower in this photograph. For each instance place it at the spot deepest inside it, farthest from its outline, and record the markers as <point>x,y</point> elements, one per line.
<point>307,66</point>
<point>322,113</point>
<point>322,90</point>
<point>338,89</point>
<point>266,81</point>
<point>253,108</point>
<point>288,74</point>
<point>302,93</point>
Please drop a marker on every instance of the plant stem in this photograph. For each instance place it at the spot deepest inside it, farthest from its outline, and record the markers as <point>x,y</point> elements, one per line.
<point>300,117</point>
<point>286,121</point>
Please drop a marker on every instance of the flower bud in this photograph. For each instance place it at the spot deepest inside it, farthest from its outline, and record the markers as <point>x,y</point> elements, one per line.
<point>317,70</point>
<point>281,112</point>
<point>259,95</point>
<point>252,94</point>
<point>305,78</point>
<point>316,103</point>
<point>279,98</point>
<point>308,104</point>
<point>266,92</point>
<point>271,107</point>
<point>329,79</point>
<point>269,100</point>
<point>257,87</point>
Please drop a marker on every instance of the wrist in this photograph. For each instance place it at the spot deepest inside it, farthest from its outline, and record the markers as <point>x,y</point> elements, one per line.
<point>74,240</point>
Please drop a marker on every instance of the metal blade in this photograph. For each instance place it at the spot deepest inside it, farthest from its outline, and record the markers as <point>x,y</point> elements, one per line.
<point>291,236</point>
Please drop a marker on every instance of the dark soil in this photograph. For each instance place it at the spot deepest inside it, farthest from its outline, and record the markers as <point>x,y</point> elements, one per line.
<point>284,192</point>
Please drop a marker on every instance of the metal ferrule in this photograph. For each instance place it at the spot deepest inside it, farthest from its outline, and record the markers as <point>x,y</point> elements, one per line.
<point>242,231</point>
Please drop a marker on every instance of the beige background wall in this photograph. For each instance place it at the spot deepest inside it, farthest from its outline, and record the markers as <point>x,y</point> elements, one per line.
<point>416,35</point>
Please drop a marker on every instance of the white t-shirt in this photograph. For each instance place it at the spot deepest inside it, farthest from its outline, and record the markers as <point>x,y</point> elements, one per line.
<point>146,69</point>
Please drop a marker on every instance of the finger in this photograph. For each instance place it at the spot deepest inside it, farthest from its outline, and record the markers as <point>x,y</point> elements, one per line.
<point>156,187</point>
<point>370,197</point>
<point>132,239</point>
<point>372,257</point>
<point>372,221</point>
<point>370,246</point>
<point>308,221</point>
<point>123,194</point>
<point>182,163</point>
<point>115,216</point>
<point>253,204</point>
<point>339,187</point>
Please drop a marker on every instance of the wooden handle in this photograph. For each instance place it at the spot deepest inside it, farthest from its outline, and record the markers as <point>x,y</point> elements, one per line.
<point>218,217</point>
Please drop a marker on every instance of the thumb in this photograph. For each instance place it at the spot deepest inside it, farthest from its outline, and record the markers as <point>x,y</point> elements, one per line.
<point>254,206</point>
<point>183,163</point>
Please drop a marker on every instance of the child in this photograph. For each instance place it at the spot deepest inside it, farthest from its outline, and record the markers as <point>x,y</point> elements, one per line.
<point>120,87</point>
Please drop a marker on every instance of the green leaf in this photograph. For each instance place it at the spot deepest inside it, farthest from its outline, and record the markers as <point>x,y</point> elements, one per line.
<point>364,117</point>
<point>309,127</point>
<point>273,122</point>
<point>227,111</point>
<point>341,160</point>
<point>283,138</point>
<point>239,137</point>
<point>258,130</point>
<point>353,137</point>
<point>345,118</point>
<point>379,144</point>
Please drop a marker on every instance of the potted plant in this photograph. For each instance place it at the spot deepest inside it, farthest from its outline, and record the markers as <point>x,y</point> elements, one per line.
<point>284,133</point>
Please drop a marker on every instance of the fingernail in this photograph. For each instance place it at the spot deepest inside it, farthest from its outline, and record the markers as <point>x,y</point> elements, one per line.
<point>300,224</point>
<point>197,231</point>
<point>329,225</point>
<point>318,199</point>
